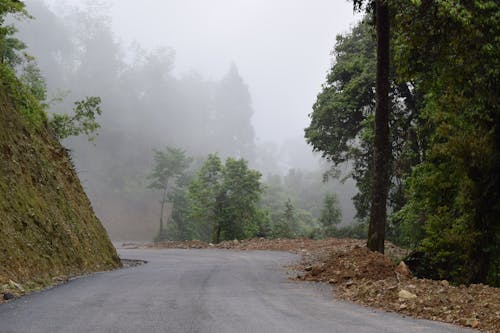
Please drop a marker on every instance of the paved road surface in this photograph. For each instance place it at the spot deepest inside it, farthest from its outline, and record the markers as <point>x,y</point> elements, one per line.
<point>198,291</point>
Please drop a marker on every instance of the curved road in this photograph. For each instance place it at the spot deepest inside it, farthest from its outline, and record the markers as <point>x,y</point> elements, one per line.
<point>199,291</point>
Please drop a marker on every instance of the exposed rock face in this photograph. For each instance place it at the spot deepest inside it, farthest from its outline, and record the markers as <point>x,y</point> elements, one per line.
<point>47,226</point>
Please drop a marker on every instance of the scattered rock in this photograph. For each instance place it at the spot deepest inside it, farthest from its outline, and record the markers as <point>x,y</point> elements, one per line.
<point>8,296</point>
<point>402,271</point>
<point>406,295</point>
<point>474,323</point>
<point>445,283</point>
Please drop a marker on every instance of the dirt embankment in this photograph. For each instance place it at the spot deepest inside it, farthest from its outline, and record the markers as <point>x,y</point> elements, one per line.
<point>48,230</point>
<point>377,280</point>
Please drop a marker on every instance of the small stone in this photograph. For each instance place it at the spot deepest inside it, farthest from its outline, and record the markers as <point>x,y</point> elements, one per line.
<point>332,281</point>
<point>445,283</point>
<point>406,295</point>
<point>471,322</point>
<point>308,268</point>
<point>317,270</point>
<point>402,306</point>
<point>8,296</point>
<point>349,283</point>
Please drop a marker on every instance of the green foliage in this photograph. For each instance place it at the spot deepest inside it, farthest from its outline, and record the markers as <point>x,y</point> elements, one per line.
<point>33,79</point>
<point>29,90</point>
<point>342,120</point>
<point>331,215</point>
<point>9,46</point>
<point>179,225</point>
<point>444,198</point>
<point>203,192</point>
<point>286,227</point>
<point>82,121</point>
<point>224,200</point>
<point>169,166</point>
<point>454,195</point>
<point>357,230</point>
<point>22,98</point>
<point>304,191</point>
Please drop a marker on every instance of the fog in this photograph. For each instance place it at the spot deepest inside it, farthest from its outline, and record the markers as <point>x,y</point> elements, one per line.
<point>172,73</point>
<point>281,48</point>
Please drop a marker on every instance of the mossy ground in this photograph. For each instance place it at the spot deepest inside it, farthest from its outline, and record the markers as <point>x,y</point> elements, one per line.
<point>47,226</point>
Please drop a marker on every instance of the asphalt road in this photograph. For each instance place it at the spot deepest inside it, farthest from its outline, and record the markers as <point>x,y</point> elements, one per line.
<point>199,291</point>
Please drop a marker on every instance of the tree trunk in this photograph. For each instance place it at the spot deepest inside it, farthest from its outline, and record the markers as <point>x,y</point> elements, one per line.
<point>382,149</point>
<point>217,236</point>
<point>164,199</point>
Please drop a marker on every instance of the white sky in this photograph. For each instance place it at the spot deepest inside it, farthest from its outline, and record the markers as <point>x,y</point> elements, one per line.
<point>281,47</point>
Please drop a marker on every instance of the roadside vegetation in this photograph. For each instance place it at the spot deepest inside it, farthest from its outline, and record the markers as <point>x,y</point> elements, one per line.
<point>444,121</point>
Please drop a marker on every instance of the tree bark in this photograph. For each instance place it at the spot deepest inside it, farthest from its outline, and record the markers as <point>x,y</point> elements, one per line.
<point>382,149</point>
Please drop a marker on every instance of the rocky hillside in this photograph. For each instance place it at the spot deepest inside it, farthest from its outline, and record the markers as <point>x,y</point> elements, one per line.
<point>47,226</point>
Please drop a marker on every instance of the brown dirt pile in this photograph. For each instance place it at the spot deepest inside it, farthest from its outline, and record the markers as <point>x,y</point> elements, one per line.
<point>357,263</point>
<point>374,280</point>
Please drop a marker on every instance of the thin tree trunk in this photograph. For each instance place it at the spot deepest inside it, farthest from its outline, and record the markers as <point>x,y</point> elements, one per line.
<point>164,199</point>
<point>217,237</point>
<point>382,149</point>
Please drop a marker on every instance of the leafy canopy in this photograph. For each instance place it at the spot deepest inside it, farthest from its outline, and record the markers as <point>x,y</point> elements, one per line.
<point>82,121</point>
<point>168,165</point>
<point>224,198</point>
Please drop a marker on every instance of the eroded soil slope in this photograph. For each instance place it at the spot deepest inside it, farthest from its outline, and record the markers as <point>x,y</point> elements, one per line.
<point>47,226</point>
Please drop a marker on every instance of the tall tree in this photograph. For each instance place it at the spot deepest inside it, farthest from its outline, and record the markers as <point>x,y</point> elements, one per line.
<point>331,215</point>
<point>225,199</point>
<point>203,191</point>
<point>342,121</point>
<point>169,165</point>
<point>381,143</point>
<point>233,133</point>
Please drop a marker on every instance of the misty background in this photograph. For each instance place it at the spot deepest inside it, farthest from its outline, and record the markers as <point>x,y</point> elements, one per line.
<point>234,77</point>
